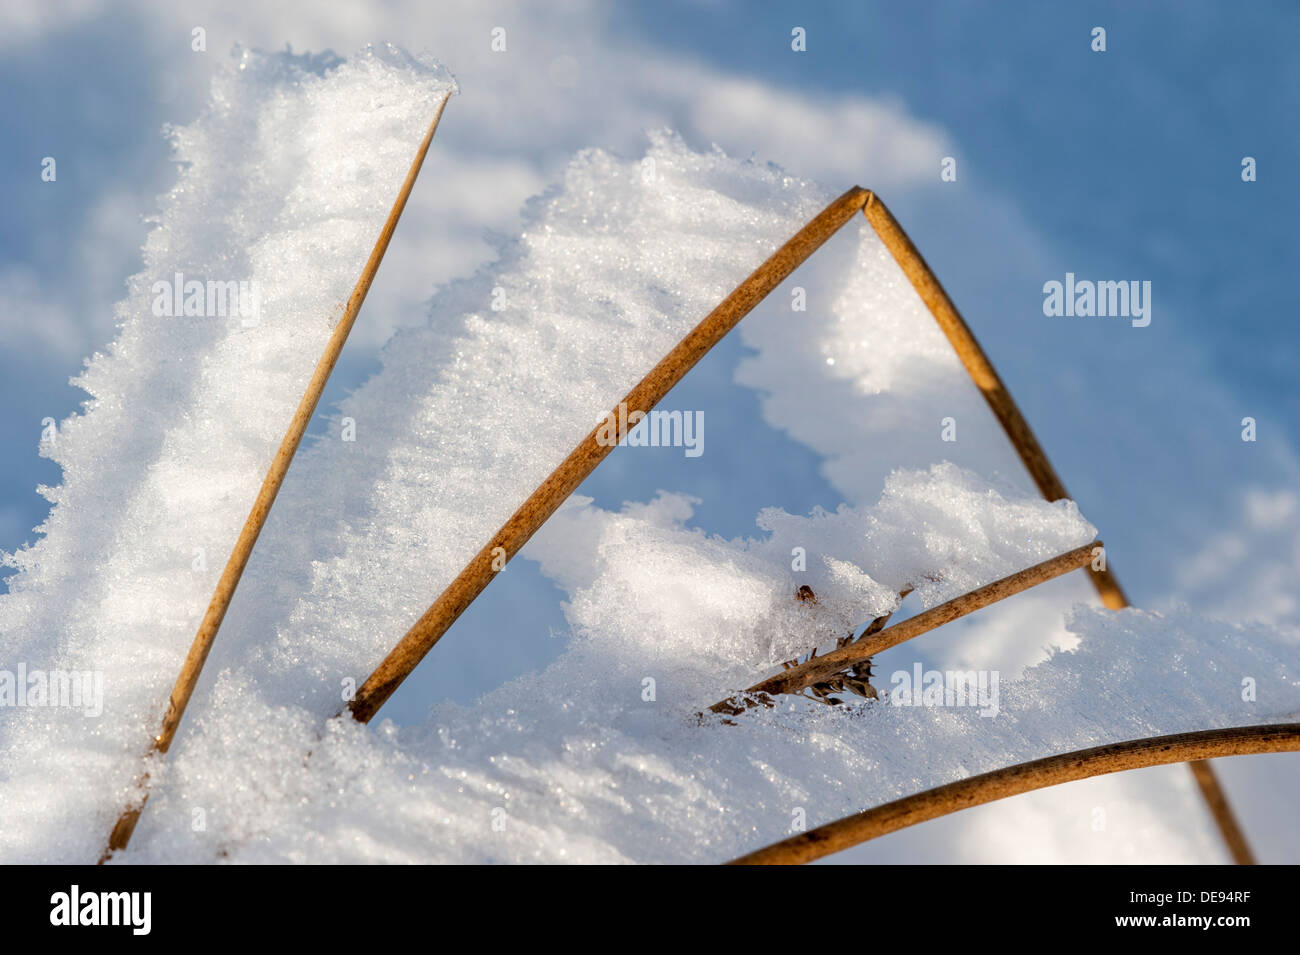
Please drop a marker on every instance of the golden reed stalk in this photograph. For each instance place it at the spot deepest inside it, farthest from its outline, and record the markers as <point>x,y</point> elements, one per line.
<point>234,569</point>
<point>798,678</point>
<point>1025,777</point>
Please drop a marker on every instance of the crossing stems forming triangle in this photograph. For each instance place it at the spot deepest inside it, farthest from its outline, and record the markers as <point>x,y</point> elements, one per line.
<point>565,479</point>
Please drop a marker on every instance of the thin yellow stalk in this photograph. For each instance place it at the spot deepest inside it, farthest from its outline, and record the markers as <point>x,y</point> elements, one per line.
<point>1216,801</point>
<point>1025,777</point>
<point>818,669</point>
<point>234,569</point>
<point>562,482</point>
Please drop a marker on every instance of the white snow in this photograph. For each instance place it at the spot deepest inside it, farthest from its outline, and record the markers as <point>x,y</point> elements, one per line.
<point>579,762</point>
